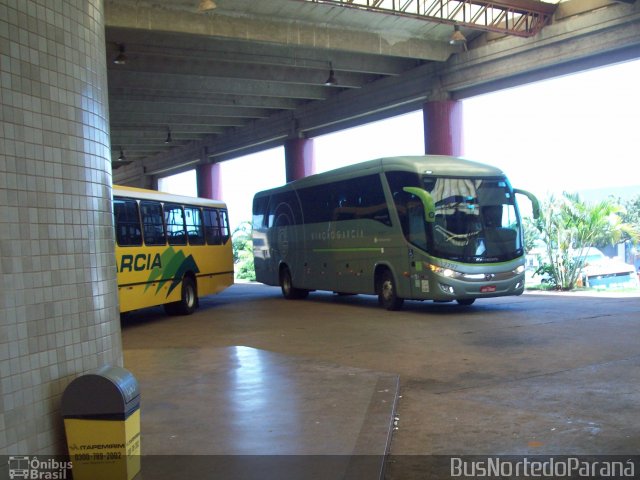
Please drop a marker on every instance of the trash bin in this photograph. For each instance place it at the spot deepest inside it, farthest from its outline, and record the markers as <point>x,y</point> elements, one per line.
<point>101,412</point>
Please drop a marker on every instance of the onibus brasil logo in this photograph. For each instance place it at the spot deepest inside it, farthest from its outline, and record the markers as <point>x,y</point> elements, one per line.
<point>34,468</point>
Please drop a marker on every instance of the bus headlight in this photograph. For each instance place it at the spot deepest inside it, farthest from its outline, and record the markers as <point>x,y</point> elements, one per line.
<point>445,272</point>
<point>520,269</point>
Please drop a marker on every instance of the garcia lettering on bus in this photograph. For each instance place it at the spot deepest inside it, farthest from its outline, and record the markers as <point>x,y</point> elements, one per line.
<point>140,262</point>
<point>338,234</point>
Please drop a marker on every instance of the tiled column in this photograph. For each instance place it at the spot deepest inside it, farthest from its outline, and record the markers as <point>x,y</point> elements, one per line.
<point>443,127</point>
<point>58,297</point>
<point>299,158</point>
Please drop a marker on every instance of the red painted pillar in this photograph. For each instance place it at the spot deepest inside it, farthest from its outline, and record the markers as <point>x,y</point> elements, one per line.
<point>299,158</point>
<point>443,127</point>
<point>209,181</point>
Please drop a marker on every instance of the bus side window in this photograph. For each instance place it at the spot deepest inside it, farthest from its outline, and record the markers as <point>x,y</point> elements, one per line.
<point>224,225</point>
<point>284,209</point>
<point>360,198</point>
<point>195,230</point>
<point>369,199</point>
<point>316,204</point>
<point>174,218</point>
<point>343,207</point>
<point>416,227</point>
<point>260,205</point>
<point>127,220</point>
<point>212,227</point>
<point>152,223</point>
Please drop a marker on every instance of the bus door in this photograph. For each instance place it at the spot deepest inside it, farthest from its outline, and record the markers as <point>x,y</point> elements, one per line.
<point>412,210</point>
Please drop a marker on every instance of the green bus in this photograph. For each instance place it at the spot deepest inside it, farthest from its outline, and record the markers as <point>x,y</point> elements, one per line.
<point>415,227</point>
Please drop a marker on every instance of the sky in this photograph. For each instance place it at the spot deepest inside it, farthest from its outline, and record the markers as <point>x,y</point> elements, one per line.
<point>572,133</point>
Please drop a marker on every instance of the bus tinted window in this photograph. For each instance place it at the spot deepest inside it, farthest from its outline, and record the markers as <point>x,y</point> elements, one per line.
<point>216,225</point>
<point>354,199</point>
<point>127,222</point>
<point>317,205</point>
<point>408,206</point>
<point>174,218</point>
<point>260,205</point>
<point>152,223</point>
<point>361,199</point>
<point>224,222</point>
<point>195,228</point>
<point>284,209</point>
<point>212,226</point>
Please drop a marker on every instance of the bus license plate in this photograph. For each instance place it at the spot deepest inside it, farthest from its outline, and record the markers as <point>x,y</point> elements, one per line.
<point>488,289</point>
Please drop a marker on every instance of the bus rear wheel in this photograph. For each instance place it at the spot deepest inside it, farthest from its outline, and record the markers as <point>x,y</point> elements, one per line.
<point>288,290</point>
<point>387,293</point>
<point>188,300</point>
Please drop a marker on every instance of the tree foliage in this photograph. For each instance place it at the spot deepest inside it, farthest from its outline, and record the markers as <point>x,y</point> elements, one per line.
<point>243,252</point>
<point>631,216</point>
<point>569,226</point>
<point>531,234</point>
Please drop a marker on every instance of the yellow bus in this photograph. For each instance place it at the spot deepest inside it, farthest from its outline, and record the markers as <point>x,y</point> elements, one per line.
<point>170,249</point>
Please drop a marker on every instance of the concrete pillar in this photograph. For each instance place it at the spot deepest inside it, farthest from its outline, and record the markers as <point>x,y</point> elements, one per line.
<point>209,181</point>
<point>58,296</point>
<point>443,127</point>
<point>299,158</point>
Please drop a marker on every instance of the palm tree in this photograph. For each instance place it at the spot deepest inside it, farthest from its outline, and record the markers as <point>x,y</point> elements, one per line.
<point>569,226</point>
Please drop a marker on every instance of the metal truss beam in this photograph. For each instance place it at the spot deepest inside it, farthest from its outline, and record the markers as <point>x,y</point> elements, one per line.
<point>523,18</point>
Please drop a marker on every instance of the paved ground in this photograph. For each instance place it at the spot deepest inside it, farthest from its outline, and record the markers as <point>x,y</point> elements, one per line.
<point>536,374</point>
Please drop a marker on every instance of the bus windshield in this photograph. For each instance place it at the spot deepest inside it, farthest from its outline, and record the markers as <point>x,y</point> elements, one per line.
<point>472,220</point>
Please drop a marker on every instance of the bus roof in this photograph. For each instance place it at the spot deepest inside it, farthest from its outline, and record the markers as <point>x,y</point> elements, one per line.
<point>144,194</point>
<point>437,165</point>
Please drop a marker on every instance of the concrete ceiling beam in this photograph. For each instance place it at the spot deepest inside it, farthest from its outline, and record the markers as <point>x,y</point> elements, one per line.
<point>561,45</point>
<point>152,129</point>
<point>159,108</point>
<point>149,16</point>
<point>205,99</point>
<point>208,120</point>
<point>216,49</point>
<point>233,70</point>
<point>150,82</point>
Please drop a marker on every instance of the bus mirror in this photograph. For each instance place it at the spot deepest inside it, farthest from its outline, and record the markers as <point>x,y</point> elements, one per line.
<point>534,201</point>
<point>427,201</point>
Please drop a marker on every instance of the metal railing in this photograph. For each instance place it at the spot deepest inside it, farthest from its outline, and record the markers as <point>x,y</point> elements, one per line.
<point>523,18</point>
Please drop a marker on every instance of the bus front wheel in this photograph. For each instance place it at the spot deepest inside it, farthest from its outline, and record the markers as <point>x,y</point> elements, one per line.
<point>387,293</point>
<point>188,299</point>
<point>465,301</point>
<point>288,290</point>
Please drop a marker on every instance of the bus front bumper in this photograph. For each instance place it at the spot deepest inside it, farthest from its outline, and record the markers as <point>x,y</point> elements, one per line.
<point>453,289</point>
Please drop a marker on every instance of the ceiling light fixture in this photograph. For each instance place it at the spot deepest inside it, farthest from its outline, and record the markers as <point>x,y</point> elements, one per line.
<point>168,139</point>
<point>122,160</point>
<point>331,80</point>
<point>457,38</point>
<point>121,59</point>
<point>207,5</point>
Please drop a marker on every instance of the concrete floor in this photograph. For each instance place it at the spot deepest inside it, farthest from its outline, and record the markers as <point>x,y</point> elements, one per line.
<point>536,374</point>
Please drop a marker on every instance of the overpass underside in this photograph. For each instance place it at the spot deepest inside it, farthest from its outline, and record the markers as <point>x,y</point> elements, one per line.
<point>230,82</point>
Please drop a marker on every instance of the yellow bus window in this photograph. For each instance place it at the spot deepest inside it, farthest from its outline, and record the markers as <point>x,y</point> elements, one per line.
<point>152,223</point>
<point>174,218</point>
<point>127,222</point>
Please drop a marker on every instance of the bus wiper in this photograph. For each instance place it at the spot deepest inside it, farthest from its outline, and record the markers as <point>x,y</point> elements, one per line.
<point>457,239</point>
